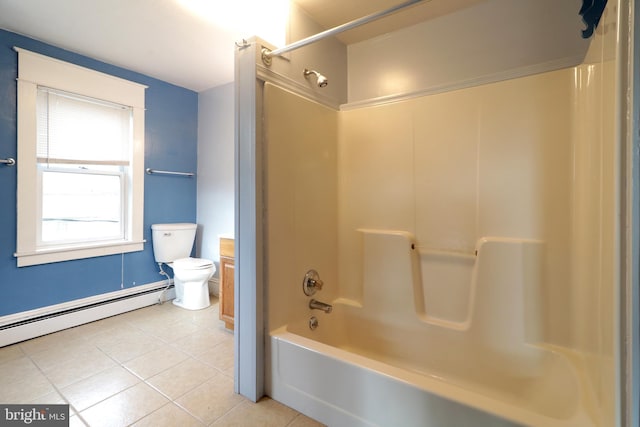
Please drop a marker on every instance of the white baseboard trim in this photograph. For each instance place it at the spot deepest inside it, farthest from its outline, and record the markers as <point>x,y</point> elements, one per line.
<point>34,323</point>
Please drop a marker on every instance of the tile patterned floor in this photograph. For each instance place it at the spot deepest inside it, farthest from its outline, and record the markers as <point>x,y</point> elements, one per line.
<point>157,366</point>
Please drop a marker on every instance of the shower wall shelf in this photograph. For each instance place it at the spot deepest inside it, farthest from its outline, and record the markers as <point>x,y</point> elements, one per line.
<point>161,172</point>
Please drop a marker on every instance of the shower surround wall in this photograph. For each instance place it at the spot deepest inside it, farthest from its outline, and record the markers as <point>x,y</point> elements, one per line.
<point>456,167</point>
<point>506,160</point>
<point>527,164</point>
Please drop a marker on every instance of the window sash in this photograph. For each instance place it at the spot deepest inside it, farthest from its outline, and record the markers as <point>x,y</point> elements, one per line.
<point>50,161</point>
<point>121,234</point>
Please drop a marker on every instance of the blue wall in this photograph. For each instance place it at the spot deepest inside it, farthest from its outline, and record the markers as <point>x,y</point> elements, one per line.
<point>170,143</point>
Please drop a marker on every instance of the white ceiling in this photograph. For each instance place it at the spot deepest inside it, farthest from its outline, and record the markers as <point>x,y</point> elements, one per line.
<point>162,39</point>
<point>331,13</point>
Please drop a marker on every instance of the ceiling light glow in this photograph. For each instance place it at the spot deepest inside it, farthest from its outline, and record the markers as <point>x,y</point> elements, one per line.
<point>266,19</point>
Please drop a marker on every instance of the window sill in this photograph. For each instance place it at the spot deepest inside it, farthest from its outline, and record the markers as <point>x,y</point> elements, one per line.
<point>68,253</point>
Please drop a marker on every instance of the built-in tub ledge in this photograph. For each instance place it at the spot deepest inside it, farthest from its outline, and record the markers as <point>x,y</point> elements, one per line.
<point>490,300</point>
<point>492,289</point>
<point>348,302</point>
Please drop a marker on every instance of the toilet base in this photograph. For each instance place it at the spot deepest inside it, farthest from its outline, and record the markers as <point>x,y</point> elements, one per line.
<point>195,296</point>
<point>178,303</point>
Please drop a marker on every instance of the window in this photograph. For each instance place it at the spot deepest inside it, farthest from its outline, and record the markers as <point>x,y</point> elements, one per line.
<point>80,146</point>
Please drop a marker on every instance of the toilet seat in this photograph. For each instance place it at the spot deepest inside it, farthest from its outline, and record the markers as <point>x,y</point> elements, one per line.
<point>192,263</point>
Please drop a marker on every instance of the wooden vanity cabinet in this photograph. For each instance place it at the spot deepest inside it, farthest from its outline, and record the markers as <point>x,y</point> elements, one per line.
<point>227,269</point>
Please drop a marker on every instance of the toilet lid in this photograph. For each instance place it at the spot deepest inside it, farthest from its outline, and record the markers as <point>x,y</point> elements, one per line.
<point>192,263</point>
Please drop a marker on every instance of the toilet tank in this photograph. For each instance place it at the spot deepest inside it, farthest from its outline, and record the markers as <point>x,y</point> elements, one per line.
<point>172,241</point>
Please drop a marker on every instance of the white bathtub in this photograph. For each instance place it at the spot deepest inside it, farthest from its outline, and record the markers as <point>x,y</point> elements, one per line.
<point>366,381</point>
<point>398,355</point>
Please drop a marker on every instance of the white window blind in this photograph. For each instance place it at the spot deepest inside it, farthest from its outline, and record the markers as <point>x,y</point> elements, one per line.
<point>77,129</point>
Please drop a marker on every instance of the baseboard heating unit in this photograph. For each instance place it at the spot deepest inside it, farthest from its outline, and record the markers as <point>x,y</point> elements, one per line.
<point>34,323</point>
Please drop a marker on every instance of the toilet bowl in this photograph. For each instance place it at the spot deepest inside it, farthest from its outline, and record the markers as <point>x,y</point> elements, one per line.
<point>191,280</point>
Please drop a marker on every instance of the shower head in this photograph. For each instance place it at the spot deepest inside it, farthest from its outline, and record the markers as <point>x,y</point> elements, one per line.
<point>320,79</point>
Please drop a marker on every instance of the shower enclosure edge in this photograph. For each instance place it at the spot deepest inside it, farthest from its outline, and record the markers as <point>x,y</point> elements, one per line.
<point>629,293</point>
<point>248,286</point>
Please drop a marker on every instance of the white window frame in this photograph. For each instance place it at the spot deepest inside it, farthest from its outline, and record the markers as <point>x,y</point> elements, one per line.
<point>39,70</point>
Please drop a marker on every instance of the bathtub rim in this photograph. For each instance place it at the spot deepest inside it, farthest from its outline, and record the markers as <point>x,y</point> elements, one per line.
<point>432,384</point>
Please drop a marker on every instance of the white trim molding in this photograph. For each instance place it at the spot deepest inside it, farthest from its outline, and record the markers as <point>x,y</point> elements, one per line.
<point>39,70</point>
<point>44,256</point>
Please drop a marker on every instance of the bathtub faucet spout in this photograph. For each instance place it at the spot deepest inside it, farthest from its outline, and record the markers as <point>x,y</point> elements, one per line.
<point>317,305</point>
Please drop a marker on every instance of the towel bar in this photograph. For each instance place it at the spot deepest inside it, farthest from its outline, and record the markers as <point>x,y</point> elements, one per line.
<point>161,172</point>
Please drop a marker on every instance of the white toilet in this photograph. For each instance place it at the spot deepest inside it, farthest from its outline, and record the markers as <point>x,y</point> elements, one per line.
<point>172,245</point>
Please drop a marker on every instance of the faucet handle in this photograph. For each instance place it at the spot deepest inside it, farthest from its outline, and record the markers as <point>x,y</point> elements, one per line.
<point>316,283</point>
<point>311,283</point>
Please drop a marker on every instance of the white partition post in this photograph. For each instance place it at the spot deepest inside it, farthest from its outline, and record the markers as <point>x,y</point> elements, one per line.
<point>249,340</point>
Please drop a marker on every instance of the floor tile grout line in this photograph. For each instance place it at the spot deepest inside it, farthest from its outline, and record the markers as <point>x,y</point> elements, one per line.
<point>140,380</point>
<point>242,402</point>
<point>109,396</point>
<point>61,394</point>
<point>189,412</point>
<point>199,326</point>
<point>186,392</point>
<point>170,403</point>
<point>175,400</point>
<point>23,354</point>
<point>143,380</point>
<point>57,390</point>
